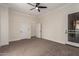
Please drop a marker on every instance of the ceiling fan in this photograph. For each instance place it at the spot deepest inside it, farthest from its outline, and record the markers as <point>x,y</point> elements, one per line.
<point>36,6</point>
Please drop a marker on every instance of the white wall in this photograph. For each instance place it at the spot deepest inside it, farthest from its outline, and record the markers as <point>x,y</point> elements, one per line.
<point>20,25</point>
<point>4,28</point>
<point>15,25</point>
<point>54,23</point>
<point>53,26</point>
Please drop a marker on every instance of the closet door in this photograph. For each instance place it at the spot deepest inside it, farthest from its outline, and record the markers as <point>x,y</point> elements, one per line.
<point>39,30</point>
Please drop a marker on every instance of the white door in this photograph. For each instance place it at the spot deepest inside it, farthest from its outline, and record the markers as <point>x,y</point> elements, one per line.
<point>39,30</point>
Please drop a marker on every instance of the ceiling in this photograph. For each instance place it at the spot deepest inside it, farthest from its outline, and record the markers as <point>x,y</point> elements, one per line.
<point>24,7</point>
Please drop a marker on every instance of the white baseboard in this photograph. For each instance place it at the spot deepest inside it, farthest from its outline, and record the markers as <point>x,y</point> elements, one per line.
<point>14,40</point>
<point>18,39</point>
<point>73,44</point>
<point>4,44</point>
<point>54,41</point>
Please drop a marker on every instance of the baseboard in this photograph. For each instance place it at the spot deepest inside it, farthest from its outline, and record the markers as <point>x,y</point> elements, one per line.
<point>4,44</point>
<point>14,40</point>
<point>73,44</point>
<point>18,39</point>
<point>54,41</point>
<point>33,37</point>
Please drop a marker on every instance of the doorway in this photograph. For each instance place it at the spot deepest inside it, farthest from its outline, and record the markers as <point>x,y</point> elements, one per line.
<point>73,27</point>
<point>39,30</point>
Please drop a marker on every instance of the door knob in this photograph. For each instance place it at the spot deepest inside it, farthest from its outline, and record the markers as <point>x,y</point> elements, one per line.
<point>66,31</point>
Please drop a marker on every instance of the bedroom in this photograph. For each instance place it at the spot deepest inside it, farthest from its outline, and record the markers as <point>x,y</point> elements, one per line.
<point>30,32</point>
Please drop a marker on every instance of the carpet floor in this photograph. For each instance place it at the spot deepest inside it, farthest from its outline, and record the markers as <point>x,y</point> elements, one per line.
<point>38,47</point>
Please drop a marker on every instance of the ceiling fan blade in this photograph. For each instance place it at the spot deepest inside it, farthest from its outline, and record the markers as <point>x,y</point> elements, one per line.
<point>39,10</point>
<point>42,6</point>
<point>31,4</point>
<point>37,4</point>
<point>32,8</point>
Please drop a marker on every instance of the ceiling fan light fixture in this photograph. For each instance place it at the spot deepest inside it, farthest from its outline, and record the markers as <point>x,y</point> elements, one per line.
<point>36,8</point>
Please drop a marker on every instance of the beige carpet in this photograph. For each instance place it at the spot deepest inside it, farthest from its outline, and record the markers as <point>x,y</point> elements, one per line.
<point>38,47</point>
